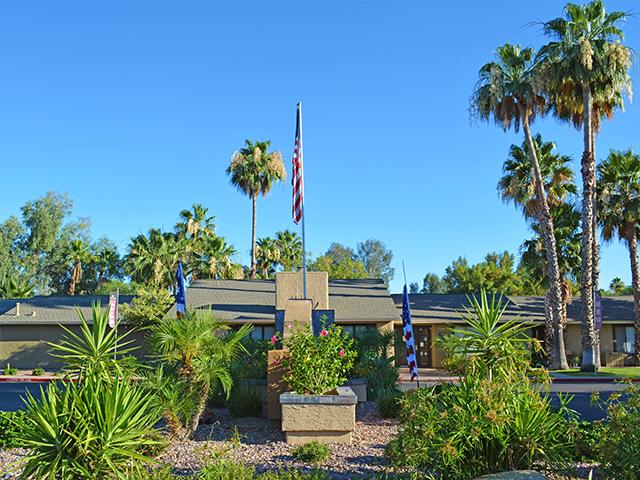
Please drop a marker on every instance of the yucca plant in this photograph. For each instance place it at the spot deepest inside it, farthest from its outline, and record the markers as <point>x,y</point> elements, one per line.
<point>96,348</point>
<point>89,430</point>
<point>488,345</point>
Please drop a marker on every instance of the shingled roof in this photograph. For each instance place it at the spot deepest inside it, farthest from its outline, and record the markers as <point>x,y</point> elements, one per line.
<point>52,309</point>
<point>362,300</point>
<point>447,308</point>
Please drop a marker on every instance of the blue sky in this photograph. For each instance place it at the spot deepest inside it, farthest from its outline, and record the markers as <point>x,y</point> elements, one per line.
<point>134,109</point>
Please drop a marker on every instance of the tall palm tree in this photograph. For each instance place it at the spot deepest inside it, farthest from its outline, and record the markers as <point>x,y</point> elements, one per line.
<point>78,253</point>
<point>152,259</point>
<point>195,223</point>
<point>517,185</point>
<point>253,171</point>
<point>290,247</point>
<point>508,92</point>
<point>586,59</point>
<point>268,255</point>
<point>619,214</point>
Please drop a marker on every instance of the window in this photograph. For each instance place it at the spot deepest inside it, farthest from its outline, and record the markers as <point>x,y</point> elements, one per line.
<point>625,339</point>
<point>261,332</point>
<point>357,331</point>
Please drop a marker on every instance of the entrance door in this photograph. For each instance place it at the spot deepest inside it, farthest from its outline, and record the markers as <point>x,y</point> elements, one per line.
<point>423,346</point>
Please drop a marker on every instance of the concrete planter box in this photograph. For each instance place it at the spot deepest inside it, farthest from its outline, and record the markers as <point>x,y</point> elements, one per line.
<point>323,418</point>
<point>359,387</point>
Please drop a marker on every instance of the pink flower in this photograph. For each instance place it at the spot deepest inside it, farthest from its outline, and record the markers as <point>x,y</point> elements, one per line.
<point>290,326</point>
<point>324,333</point>
<point>274,340</point>
<point>341,353</point>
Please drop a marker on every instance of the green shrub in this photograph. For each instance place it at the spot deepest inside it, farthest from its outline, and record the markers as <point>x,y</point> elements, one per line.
<point>585,439</point>
<point>251,364</point>
<point>620,438</point>
<point>244,402</point>
<point>312,452</point>
<point>314,474</point>
<point>383,377</point>
<point>37,372</point>
<point>389,403</point>
<point>222,469</point>
<point>482,426</point>
<point>9,371</point>
<point>317,364</point>
<point>11,427</point>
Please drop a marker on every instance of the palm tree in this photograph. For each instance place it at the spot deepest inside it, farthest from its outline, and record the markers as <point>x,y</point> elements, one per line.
<point>195,223</point>
<point>253,171</point>
<point>215,260</point>
<point>200,355</point>
<point>268,255</point>
<point>586,60</point>
<point>518,186</point>
<point>619,214</point>
<point>508,92</point>
<point>152,259</point>
<point>108,263</point>
<point>79,254</point>
<point>290,247</point>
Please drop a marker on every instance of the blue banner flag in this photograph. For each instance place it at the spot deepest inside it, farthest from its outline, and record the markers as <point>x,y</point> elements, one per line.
<point>181,295</point>
<point>407,328</point>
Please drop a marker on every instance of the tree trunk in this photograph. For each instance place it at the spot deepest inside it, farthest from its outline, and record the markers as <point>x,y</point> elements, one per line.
<point>74,277</point>
<point>553,271</point>
<point>549,332</point>
<point>632,241</point>
<point>595,249</point>
<point>202,403</point>
<point>588,218</point>
<point>253,239</point>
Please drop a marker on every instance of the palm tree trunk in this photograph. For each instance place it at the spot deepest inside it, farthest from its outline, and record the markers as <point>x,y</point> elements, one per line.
<point>595,250</point>
<point>553,271</point>
<point>74,278</point>
<point>253,239</point>
<point>202,403</point>
<point>588,218</point>
<point>549,331</point>
<point>632,240</point>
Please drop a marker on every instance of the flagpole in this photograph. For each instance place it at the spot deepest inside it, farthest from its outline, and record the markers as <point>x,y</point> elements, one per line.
<point>304,250</point>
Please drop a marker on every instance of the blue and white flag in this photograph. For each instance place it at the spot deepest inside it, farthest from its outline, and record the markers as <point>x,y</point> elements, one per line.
<point>181,296</point>
<point>409,341</point>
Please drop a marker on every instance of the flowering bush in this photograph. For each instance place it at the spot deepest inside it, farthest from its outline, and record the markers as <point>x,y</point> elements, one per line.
<point>318,364</point>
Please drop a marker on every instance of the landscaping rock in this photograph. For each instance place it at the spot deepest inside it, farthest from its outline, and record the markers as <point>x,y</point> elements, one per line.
<point>515,475</point>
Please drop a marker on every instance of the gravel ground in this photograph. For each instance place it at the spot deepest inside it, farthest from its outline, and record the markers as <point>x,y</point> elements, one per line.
<point>265,447</point>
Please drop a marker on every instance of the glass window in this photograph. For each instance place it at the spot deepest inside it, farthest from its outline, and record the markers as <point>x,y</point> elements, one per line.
<point>625,338</point>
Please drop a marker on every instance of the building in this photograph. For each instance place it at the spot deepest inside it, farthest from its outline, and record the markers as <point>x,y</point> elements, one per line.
<point>433,314</point>
<point>357,305</point>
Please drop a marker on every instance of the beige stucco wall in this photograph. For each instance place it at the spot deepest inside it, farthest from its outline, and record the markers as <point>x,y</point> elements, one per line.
<point>290,285</point>
<point>26,346</point>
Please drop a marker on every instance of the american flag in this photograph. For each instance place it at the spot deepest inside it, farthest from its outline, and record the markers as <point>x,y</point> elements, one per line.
<point>296,178</point>
<point>409,341</point>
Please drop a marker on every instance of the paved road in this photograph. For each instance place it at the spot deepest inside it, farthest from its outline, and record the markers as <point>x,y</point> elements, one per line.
<point>11,393</point>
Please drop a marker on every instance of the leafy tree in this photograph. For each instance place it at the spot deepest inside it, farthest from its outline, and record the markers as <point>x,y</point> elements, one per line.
<point>339,253</point>
<point>123,287</point>
<point>433,284</point>
<point>11,251</point>
<point>619,213</point>
<point>495,274</point>
<point>509,91</point>
<point>147,308</point>
<point>253,171</point>
<point>414,287</point>
<point>376,258</point>
<point>587,59</point>
<point>290,246</point>
<point>345,269</point>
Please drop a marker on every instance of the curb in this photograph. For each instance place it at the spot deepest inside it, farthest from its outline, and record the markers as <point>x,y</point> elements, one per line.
<point>30,379</point>
<point>595,380</point>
